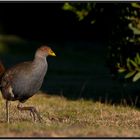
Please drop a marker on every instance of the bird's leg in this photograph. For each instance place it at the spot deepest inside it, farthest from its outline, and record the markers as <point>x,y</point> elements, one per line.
<point>7,111</point>
<point>32,110</point>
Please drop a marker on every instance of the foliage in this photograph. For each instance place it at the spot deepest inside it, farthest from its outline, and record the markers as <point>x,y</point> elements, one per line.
<point>122,23</point>
<point>132,68</point>
<point>132,64</point>
<point>80,9</point>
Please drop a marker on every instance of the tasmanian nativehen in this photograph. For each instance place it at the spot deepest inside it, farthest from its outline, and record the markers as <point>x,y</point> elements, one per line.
<point>23,80</point>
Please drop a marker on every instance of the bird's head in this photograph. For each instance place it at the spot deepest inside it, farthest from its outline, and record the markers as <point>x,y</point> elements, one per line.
<point>44,51</point>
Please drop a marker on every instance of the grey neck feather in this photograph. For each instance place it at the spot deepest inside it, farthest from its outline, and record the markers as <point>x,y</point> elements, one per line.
<point>40,61</point>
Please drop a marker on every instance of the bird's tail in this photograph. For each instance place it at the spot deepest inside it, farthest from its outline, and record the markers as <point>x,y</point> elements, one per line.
<point>2,71</point>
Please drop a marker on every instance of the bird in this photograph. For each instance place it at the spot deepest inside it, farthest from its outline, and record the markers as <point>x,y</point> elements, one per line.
<point>23,80</point>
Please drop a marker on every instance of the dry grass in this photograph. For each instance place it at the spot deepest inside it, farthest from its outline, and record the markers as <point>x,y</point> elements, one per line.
<point>66,118</point>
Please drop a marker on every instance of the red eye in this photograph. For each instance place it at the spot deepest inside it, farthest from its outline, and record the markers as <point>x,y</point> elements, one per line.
<point>45,48</point>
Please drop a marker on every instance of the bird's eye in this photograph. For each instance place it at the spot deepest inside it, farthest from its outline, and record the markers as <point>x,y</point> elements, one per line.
<point>43,49</point>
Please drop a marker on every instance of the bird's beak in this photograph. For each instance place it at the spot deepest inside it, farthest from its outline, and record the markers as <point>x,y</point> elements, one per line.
<point>52,53</point>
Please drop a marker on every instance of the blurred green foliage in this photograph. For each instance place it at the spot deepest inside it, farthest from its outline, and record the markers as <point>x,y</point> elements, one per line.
<point>80,9</point>
<point>10,40</point>
<point>132,68</point>
<point>124,33</point>
<point>132,65</point>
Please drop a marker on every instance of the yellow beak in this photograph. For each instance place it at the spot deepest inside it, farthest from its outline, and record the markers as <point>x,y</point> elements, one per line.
<point>52,53</point>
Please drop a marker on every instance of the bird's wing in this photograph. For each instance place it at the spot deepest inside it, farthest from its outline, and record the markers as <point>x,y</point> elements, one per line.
<point>11,76</point>
<point>14,71</point>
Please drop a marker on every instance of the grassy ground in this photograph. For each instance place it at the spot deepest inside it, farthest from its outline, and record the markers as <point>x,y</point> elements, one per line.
<point>67,118</point>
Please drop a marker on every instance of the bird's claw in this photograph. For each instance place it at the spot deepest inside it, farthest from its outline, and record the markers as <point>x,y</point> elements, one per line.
<point>35,114</point>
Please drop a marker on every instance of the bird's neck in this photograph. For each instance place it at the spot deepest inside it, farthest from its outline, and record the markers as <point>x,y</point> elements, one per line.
<point>39,67</point>
<point>39,60</point>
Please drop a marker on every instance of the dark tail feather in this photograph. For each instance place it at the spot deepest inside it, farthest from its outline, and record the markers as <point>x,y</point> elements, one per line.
<point>2,70</point>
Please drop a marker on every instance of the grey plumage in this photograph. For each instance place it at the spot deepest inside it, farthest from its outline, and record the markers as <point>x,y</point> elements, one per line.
<point>23,80</point>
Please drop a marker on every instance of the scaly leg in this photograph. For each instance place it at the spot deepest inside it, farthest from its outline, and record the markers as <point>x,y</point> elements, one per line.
<point>32,110</point>
<point>7,111</point>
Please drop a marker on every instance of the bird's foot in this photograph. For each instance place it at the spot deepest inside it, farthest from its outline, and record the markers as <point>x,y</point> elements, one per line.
<point>33,112</point>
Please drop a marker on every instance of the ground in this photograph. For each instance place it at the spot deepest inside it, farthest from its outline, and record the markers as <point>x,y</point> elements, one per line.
<point>70,118</point>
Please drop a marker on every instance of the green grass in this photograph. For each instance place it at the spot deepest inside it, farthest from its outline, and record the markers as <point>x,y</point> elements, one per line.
<point>67,118</point>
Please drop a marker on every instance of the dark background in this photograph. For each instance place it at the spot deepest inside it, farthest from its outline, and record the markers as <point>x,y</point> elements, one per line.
<point>47,20</point>
<point>79,70</point>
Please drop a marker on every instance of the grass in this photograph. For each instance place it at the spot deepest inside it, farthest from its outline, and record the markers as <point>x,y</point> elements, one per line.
<point>68,118</point>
